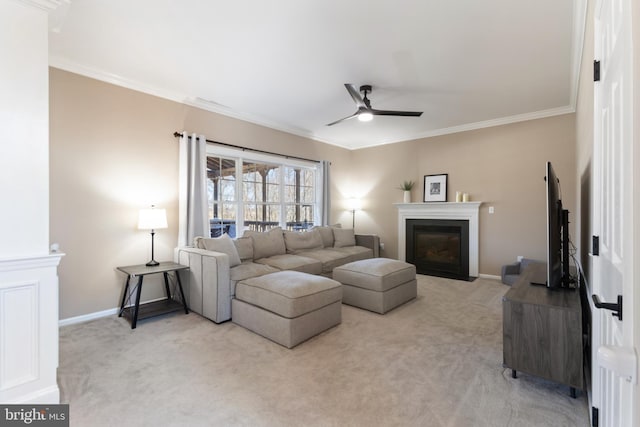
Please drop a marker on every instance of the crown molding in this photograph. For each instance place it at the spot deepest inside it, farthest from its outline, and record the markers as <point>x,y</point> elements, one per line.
<point>95,73</point>
<point>257,120</point>
<point>115,79</point>
<point>484,124</point>
<point>73,67</point>
<point>46,5</point>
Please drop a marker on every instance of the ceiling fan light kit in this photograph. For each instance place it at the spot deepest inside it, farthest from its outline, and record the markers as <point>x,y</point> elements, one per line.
<point>365,117</point>
<point>365,113</point>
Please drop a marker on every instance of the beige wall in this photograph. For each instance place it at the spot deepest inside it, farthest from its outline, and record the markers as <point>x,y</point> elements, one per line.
<point>502,166</point>
<point>112,153</point>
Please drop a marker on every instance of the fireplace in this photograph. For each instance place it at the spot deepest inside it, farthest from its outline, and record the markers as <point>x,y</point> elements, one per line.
<point>468,212</point>
<point>438,247</point>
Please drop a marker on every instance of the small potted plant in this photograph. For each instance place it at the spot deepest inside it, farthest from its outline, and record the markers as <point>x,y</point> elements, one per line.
<point>406,187</point>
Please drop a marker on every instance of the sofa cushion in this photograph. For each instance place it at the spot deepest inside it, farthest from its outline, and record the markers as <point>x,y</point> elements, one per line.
<point>247,270</point>
<point>295,241</point>
<point>244,245</point>
<point>266,244</point>
<point>289,293</point>
<point>330,258</point>
<point>326,233</point>
<point>343,237</point>
<point>355,253</point>
<point>293,262</point>
<point>222,244</point>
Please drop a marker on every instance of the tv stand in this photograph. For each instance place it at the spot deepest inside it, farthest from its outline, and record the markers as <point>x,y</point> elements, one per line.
<point>542,331</point>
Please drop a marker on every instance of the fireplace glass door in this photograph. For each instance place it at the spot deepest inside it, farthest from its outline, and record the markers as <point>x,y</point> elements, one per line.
<point>439,247</point>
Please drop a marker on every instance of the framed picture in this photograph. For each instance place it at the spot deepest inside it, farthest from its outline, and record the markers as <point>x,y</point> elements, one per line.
<point>435,188</point>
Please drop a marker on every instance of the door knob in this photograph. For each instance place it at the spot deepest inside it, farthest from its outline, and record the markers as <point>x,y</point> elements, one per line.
<point>620,360</point>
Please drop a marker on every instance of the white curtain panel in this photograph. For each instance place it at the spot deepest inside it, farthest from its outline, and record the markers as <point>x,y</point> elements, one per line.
<point>326,194</point>
<point>193,218</point>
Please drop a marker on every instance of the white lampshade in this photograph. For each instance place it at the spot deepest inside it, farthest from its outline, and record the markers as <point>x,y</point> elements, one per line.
<point>365,117</point>
<point>151,219</point>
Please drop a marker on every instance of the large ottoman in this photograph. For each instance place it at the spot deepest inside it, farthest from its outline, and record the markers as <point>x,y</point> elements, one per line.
<point>287,307</point>
<point>377,284</point>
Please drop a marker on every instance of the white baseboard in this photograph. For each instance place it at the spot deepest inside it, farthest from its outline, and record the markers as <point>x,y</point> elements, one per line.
<point>49,395</point>
<point>88,317</point>
<point>97,315</point>
<point>490,276</point>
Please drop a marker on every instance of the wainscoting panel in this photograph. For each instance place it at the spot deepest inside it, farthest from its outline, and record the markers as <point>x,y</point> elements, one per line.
<point>18,333</point>
<point>29,330</point>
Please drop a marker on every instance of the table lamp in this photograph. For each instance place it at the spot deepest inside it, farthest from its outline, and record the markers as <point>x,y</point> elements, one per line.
<point>152,219</point>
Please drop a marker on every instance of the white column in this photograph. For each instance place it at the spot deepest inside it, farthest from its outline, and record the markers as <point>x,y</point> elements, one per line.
<point>28,273</point>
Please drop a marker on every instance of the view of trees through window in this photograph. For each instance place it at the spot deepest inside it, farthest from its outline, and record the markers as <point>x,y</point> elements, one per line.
<point>269,195</point>
<point>221,192</point>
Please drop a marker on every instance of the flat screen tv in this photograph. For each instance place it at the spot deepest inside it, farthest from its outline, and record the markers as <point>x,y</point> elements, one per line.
<point>557,234</point>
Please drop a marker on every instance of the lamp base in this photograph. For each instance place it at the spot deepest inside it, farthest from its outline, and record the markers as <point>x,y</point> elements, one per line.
<point>152,263</point>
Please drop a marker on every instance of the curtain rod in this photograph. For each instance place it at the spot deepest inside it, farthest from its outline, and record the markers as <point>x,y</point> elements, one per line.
<point>255,150</point>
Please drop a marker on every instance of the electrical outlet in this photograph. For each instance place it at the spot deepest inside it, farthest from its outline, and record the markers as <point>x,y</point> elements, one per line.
<point>491,209</point>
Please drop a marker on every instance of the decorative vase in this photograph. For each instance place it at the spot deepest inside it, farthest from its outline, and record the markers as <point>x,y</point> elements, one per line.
<point>407,196</point>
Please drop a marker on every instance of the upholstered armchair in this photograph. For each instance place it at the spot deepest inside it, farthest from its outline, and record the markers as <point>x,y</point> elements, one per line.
<point>511,272</point>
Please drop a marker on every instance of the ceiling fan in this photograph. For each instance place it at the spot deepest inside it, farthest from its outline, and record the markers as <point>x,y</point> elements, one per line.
<point>365,112</point>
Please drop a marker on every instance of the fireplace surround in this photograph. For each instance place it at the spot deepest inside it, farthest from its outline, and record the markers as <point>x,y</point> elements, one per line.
<point>469,211</point>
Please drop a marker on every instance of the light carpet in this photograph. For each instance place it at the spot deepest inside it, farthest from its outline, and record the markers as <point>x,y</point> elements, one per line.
<point>435,361</point>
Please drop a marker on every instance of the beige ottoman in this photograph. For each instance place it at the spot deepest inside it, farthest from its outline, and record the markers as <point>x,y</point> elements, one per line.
<point>287,307</point>
<point>377,284</point>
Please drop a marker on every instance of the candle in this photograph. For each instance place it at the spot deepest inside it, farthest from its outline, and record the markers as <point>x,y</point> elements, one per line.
<point>458,196</point>
<point>465,197</point>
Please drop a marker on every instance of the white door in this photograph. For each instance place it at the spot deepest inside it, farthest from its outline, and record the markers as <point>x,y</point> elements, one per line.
<point>614,358</point>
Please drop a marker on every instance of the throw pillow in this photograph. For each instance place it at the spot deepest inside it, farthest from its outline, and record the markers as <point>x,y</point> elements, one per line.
<point>344,237</point>
<point>225,245</point>
<point>297,241</point>
<point>268,243</point>
<point>326,232</point>
<point>244,245</point>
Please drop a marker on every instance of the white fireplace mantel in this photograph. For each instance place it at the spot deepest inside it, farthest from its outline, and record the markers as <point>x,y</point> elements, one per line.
<point>469,211</point>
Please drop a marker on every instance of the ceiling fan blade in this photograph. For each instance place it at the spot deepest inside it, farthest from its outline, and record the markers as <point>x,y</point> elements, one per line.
<point>344,118</point>
<point>396,113</point>
<point>355,94</point>
<point>364,106</point>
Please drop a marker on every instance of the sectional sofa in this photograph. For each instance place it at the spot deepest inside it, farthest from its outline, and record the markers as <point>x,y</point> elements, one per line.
<point>216,265</point>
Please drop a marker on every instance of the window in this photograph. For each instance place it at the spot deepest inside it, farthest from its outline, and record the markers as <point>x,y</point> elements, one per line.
<point>299,197</point>
<point>221,191</point>
<point>265,191</point>
<point>261,195</point>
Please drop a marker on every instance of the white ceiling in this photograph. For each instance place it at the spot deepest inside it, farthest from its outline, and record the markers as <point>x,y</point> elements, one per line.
<point>283,63</point>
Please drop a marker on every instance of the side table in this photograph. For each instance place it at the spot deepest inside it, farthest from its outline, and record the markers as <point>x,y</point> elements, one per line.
<point>155,308</point>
